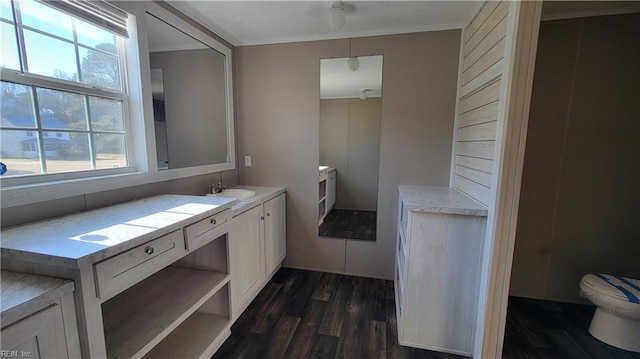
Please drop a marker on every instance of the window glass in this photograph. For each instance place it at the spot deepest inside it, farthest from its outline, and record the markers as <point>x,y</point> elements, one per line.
<point>67,153</point>
<point>5,10</point>
<point>95,37</point>
<point>61,110</point>
<point>40,60</point>
<point>16,106</point>
<point>110,150</point>
<point>100,69</point>
<point>46,19</point>
<point>105,114</point>
<point>19,152</point>
<point>9,47</point>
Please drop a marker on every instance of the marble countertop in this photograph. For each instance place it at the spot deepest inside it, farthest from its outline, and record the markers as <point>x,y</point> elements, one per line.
<point>263,194</point>
<point>438,199</point>
<point>24,294</point>
<point>87,237</point>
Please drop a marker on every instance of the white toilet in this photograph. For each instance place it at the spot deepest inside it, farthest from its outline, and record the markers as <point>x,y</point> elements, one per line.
<point>617,319</point>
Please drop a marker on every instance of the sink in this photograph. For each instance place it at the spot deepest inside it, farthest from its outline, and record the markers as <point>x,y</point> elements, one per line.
<point>234,193</point>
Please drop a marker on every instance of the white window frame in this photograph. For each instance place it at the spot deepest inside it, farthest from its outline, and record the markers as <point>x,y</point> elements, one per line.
<point>141,122</point>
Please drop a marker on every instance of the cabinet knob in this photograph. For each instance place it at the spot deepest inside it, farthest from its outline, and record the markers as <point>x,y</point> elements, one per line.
<point>148,250</point>
<point>262,217</point>
<point>268,214</point>
<point>213,221</point>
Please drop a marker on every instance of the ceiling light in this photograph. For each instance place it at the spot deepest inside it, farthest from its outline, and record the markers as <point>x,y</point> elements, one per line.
<point>363,94</point>
<point>336,15</point>
<point>353,63</point>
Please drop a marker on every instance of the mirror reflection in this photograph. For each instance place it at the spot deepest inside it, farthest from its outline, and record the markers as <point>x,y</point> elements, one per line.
<point>350,114</point>
<point>189,98</point>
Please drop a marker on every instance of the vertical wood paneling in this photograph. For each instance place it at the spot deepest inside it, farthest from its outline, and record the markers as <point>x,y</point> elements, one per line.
<point>479,100</point>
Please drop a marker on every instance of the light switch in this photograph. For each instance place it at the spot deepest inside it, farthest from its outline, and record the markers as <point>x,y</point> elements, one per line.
<point>247,161</point>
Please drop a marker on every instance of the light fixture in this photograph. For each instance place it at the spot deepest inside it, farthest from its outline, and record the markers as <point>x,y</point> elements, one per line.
<point>353,63</point>
<point>363,94</point>
<point>336,15</point>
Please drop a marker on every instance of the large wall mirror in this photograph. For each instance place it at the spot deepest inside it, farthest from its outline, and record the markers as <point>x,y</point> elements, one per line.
<point>350,115</point>
<point>191,91</point>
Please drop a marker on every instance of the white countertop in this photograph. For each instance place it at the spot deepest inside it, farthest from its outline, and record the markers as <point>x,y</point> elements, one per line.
<point>438,199</point>
<point>24,294</point>
<point>263,194</point>
<point>88,237</point>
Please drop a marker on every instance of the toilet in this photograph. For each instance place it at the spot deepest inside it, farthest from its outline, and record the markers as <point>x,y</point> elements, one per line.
<point>617,319</point>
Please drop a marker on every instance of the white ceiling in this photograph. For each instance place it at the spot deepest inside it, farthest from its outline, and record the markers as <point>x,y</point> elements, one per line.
<point>338,81</point>
<point>266,22</point>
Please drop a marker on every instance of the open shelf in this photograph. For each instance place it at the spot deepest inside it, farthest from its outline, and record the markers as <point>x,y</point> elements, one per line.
<point>200,335</point>
<point>139,318</point>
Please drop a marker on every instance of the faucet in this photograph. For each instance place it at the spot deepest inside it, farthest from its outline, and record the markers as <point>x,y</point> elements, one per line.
<point>216,188</point>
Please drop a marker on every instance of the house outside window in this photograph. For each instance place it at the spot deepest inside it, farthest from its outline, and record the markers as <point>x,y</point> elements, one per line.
<point>78,93</point>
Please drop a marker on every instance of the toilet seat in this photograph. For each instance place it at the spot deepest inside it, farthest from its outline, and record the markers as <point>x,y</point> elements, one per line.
<point>613,287</point>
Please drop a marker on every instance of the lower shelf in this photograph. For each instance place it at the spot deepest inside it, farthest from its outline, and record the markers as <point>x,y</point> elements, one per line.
<point>198,337</point>
<point>139,318</point>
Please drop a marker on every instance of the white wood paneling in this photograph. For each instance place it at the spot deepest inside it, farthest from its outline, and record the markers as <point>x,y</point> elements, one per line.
<point>486,113</point>
<point>474,175</point>
<point>481,132</point>
<point>480,98</point>
<point>479,149</point>
<point>479,164</point>
<point>475,190</point>
<point>479,104</point>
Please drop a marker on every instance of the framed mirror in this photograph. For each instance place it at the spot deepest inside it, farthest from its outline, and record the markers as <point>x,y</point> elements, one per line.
<point>192,95</point>
<point>350,114</point>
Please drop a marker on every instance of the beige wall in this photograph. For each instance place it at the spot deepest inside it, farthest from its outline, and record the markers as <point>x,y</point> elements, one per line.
<point>196,185</point>
<point>579,207</point>
<point>350,142</point>
<point>278,94</point>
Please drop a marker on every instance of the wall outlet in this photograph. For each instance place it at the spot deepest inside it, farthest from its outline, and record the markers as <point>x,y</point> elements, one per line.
<point>247,161</point>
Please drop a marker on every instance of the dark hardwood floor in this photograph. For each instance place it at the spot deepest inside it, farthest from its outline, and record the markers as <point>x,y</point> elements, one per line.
<point>349,224</point>
<point>544,329</point>
<point>303,314</point>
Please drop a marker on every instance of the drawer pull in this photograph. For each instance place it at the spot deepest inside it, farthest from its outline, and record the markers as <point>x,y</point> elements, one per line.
<point>268,214</point>
<point>213,221</point>
<point>148,250</point>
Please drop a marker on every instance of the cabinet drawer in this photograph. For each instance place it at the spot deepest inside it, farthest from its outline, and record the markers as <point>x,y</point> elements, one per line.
<point>206,230</point>
<point>117,273</point>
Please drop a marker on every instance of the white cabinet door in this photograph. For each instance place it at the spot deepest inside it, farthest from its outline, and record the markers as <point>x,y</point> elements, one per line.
<point>275,236</point>
<point>246,259</point>
<point>41,335</point>
<point>331,190</point>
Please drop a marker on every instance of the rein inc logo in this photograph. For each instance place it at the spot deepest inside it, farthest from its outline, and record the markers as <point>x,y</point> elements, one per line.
<point>15,354</point>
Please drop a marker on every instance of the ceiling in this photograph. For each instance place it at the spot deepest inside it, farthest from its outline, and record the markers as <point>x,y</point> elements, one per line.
<point>338,81</point>
<point>244,23</point>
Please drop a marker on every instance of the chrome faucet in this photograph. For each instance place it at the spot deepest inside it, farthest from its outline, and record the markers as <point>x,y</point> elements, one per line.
<point>216,188</point>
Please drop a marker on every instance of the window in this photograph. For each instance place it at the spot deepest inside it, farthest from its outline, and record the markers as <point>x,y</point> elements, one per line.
<point>62,74</point>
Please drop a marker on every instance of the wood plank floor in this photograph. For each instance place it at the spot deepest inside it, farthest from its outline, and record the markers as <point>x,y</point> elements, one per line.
<point>544,329</point>
<point>349,224</point>
<point>304,314</point>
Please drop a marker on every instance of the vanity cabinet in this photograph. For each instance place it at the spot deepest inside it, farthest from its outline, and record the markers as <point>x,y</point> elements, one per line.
<point>257,248</point>
<point>247,260</point>
<point>439,244</point>
<point>331,190</point>
<point>275,233</point>
<point>152,276</point>
<point>38,317</point>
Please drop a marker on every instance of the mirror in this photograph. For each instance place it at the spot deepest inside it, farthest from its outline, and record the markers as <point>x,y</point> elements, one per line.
<point>190,102</point>
<point>350,115</point>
